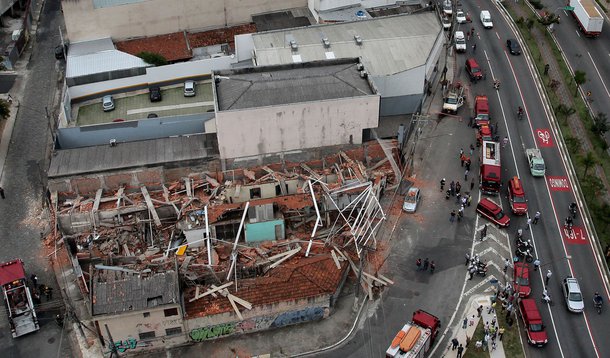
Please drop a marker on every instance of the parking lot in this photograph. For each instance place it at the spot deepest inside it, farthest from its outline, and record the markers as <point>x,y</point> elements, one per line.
<point>136,105</point>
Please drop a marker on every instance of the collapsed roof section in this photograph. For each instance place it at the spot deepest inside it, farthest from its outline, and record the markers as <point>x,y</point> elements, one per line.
<point>238,235</point>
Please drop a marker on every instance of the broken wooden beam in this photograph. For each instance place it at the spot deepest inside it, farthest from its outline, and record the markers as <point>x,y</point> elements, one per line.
<point>98,197</point>
<point>151,207</point>
<point>210,291</point>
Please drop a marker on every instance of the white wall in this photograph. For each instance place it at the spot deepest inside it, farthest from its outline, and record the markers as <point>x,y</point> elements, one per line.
<point>156,17</point>
<point>258,131</point>
<point>244,45</point>
<point>401,84</point>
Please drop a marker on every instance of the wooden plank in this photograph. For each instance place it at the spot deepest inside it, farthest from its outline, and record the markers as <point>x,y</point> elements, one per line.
<point>119,195</point>
<point>292,253</point>
<point>374,278</point>
<point>150,205</point>
<point>310,171</point>
<point>187,184</point>
<point>235,308</point>
<point>242,302</point>
<point>385,279</point>
<point>337,263</point>
<point>126,249</point>
<point>210,291</point>
<point>98,197</point>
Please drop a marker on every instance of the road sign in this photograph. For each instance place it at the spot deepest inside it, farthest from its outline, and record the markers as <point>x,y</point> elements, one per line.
<point>544,138</point>
<point>576,236</point>
<point>559,183</point>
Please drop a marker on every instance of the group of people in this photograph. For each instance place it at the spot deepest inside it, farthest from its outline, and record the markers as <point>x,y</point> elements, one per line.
<point>424,265</point>
<point>39,290</point>
<point>475,265</point>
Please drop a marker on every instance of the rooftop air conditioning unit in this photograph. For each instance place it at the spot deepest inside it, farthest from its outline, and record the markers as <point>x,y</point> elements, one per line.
<point>363,74</point>
<point>293,45</point>
<point>360,67</point>
<point>326,42</point>
<point>358,40</point>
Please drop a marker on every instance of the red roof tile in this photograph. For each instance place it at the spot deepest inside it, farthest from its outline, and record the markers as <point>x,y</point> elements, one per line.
<point>297,278</point>
<point>171,46</point>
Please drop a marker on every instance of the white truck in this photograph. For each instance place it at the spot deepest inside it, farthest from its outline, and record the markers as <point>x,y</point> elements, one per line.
<point>536,162</point>
<point>415,338</point>
<point>454,100</point>
<point>588,17</point>
<point>20,308</point>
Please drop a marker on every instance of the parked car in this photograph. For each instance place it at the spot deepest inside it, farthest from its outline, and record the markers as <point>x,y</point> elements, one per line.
<point>411,200</point>
<point>516,196</point>
<point>189,88</point>
<point>460,16</point>
<point>521,279</point>
<point>513,46</point>
<point>460,41</point>
<point>107,103</point>
<point>155,94</point>
<point>492,212</point>
<point>446,23</point>
<point>573,295</point>
<point>532,320</point>
<point>474,70</point>
<point>448,8</point>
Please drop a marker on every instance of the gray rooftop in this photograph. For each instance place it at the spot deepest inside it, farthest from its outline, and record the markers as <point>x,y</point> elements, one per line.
<point>389,44</point>
<point>292,83</point>
<point>117,291</point>
<point>104,158</point>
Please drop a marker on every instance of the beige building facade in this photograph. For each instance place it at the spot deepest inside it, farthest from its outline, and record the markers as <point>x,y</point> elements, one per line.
<point>124,19</point>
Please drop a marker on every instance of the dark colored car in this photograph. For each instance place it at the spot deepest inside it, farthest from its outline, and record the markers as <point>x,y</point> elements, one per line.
<point>59,52</point>
<point>492,212</point>
<point>155,94</point>
<point>513,46</point>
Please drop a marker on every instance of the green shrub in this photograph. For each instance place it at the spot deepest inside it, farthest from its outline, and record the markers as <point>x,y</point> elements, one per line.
<point>152,58</point>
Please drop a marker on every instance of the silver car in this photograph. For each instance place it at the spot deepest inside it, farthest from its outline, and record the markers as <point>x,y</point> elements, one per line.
<point>411,200</point>
<point>189,88</point>
<point>107,103</point>
<point>572,294</point>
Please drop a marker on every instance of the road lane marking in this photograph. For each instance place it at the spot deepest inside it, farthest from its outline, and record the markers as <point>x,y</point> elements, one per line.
<point>599,74</point>
<point>544,138</point>
<point>576,236</point>
<point>558,183</point>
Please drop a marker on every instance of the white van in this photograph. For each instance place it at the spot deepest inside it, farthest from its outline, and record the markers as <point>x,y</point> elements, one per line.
<point>486,19</point>
<point>460,41</point>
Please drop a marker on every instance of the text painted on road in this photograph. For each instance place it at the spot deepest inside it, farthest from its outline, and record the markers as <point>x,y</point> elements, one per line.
<point>576,236</point>
<point>559,183</point>
<point>544,137</point>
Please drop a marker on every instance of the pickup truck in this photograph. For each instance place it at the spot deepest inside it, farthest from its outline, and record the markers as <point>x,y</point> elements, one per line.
<point>536,162</point>
<point>453,101</point>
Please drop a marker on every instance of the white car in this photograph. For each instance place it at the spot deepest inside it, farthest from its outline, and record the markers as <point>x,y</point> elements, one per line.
<point>486,19</point>
<point>460,41</point>
<point>448,8</point>
<point>460,16</point>
<point>411,200</point>
<point>446,23</point>
<point>189,88</point>
<point>107,103</point>
<point>572,294</point>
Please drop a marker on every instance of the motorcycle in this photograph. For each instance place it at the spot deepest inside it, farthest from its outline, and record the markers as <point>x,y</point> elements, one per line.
<point>546,298</point>
<point>573,211</point>
<point>568,223</point>
<point>598,306</point>
<point>525,253</point>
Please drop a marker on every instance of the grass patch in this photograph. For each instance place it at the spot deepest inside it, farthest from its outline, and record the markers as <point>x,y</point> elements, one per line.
<point>472,352</point>
<point>598,208</point>
<point>510,342</point>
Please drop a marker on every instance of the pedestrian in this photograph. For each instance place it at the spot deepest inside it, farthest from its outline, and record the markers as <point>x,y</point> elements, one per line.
<point>452,187</point>
<point>467,259</point>
<point>466,175</point>
<point>418,264</point>
<point>474,48</point>
<point>465,323</point>
<point>483,232</point>
<point>467,164</point>
<point>493,344</point>
<point>461,212</point>
<point>452,218</point>
<point>529,223</point>
<point>34,279</point>
<point>457,198</point>
<point>48,292</point>
<point>536,264</point>
<point>442,184</point>
<point>461,152</point>
<point>479,311</point>
<point>500,333</point>
<point>504,142</point>
<point>458,187</point>
<point>493,324</point>
<point>536,217</point>
<point>462,159</point>
<point>460,350</point>
<point>432,267</point>
<point>469,201</point>
<point>546,69</point>
<point>491,308</point>
<point>471,271</point>
<point>464,200</point>
<point>506,264</point>
<point>454,344</point>
<point>2,193</point>
<point>548,277</point>
<point>471,184</point>
<point>426,263</point>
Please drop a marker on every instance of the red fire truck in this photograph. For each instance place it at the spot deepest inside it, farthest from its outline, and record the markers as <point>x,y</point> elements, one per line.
<point>490,168</point>
<point>21,314</point>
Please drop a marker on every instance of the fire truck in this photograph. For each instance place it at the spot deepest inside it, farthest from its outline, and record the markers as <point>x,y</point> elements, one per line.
<point>416,338</point>
<point>21,313</point>
<point>490,168</point>
<point>481,110</point>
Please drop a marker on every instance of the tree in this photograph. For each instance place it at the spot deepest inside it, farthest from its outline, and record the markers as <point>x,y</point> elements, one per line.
<point>580,77</point>
<point>573,143</point>
<point>152,58</point>
<point>589,161</point>
<point>600,124</point>
<point>5,109</point>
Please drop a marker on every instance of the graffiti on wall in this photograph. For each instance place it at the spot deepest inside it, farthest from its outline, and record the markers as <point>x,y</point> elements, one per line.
<point>294,317</point>
<point>128,344</point>
<point>254,324</point>
<point>201,334</point>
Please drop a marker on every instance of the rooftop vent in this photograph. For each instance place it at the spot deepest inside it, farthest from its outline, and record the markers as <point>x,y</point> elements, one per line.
<point>358,40</point>
<point>293,45</point>
<point>360,67</point>
<point>363,74</point>
<point>326,42</point>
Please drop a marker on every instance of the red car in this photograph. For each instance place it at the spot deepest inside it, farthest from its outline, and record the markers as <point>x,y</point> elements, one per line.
<point>492,212</point>
<point>516,196</point>
<point>521,279</point>
<point>535,329</point>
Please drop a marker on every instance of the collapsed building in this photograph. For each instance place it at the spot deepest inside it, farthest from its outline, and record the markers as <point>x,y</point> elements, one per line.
<point>228,252</point>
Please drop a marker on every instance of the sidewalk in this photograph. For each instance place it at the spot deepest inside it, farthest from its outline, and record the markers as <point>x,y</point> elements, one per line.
<point>8,131</point>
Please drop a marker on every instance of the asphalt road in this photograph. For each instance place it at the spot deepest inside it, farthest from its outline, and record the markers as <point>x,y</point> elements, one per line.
<point>23,177</point>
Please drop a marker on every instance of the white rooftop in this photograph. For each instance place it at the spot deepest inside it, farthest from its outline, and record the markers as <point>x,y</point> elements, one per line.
<point>96,56</point>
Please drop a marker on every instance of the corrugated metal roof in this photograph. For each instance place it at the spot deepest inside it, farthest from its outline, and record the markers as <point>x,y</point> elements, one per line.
<point>294,83</point>
<point>103,61</point>
<point>389,44</point>
<point>88,47</point>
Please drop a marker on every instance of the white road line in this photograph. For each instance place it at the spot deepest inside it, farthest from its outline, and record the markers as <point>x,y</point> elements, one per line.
<point>599,74</point>
<point>167,108</point>
<point>485,280</point>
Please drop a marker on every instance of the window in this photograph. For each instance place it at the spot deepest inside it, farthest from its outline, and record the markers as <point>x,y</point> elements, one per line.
<point>173,331</point>
<point>255,193</point>
<point>170,312</point>
<point>147,335</point>
<point>146,314</point>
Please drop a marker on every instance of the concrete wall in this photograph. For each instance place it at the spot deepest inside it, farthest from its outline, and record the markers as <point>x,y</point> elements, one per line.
<point>267,190</point>
<point>125,329</point>
<point>258,319</point>
<point>155,17</point>
<point>258,131</point>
